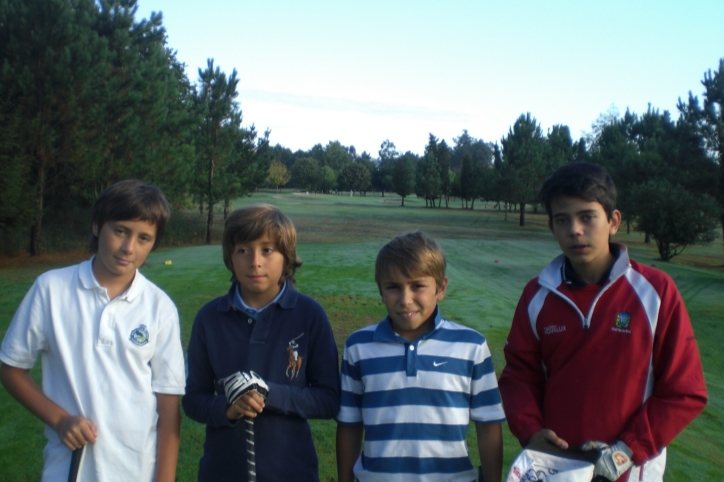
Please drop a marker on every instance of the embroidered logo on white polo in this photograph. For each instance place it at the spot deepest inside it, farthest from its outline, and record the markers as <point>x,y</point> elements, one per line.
<point>139,336</point>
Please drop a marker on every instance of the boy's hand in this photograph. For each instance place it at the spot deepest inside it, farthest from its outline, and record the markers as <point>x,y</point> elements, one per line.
<point>245,393</point>
<point>614,459</point>
<point>550,435</point>
<point>248,405</point>
<point>75,432</point>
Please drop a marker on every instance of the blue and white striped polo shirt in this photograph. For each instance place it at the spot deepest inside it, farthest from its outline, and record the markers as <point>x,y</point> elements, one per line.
<point>416,399</point>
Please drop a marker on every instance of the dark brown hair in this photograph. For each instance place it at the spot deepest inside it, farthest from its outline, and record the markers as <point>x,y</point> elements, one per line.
<point>130,200</point>
<point>582,180</point>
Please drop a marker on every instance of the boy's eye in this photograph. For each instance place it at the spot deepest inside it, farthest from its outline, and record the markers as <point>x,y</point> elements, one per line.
<point>268,250</point>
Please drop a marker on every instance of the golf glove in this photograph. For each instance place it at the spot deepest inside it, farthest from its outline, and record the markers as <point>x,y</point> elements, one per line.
<point>241,383</point>
<point>614,459</point>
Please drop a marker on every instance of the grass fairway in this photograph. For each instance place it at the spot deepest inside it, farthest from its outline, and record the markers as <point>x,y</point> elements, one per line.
<point>489,262</point>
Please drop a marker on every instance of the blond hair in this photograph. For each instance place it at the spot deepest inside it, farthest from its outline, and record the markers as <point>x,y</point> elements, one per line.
<point>412,254</point>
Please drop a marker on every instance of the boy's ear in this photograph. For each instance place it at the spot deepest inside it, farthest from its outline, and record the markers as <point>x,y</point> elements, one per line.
<point>96,231</point>
<point>614,223</point>
<point>442,289</point>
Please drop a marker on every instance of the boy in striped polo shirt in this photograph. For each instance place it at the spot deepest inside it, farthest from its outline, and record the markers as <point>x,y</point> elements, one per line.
<point>411,383</point>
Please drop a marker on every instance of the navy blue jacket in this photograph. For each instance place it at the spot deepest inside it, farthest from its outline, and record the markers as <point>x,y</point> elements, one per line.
<point>225,340</point>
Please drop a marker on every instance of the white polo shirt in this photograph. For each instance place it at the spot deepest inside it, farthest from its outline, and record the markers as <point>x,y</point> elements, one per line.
<point>101,359</point>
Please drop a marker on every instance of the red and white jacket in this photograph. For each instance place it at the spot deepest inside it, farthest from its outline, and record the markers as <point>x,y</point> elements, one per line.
<point>617,362</point>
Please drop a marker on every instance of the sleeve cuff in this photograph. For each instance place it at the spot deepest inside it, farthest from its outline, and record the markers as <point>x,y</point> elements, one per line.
<point>637,455</point>
<point>219,412</point>
<point>276,399</point>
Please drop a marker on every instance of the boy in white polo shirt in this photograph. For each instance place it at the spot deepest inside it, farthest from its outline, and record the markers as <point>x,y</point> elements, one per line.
<point>110,346</point>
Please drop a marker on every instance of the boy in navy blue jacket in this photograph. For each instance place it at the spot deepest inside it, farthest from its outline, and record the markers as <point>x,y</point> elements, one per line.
<point>262,325</point>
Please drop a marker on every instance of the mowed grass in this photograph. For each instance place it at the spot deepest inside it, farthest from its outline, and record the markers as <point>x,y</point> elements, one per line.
<point>489,261</point>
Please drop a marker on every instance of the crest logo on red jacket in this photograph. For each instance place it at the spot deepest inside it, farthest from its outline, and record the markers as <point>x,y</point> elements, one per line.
<point>623,320</point>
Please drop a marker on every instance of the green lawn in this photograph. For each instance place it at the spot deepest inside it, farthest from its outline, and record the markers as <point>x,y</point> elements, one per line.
<point>489,261</point>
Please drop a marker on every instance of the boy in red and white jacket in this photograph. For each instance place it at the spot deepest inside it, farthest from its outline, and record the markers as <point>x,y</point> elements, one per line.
<point>601,353</point>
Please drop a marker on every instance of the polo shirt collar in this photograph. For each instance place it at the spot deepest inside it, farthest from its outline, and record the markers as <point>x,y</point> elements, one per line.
<point>385,333</point>
<point>238,301</point>
<point>89,281</point>
<point>287,299</point>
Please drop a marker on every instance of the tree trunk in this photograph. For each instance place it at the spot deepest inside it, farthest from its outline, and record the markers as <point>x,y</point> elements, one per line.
<point>522,214</point>
<point>38,224</point>
<point>647,238</point>
<point>210,218</point>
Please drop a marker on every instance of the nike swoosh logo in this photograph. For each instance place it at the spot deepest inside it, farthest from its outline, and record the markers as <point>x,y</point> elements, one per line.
<point>436,364</point>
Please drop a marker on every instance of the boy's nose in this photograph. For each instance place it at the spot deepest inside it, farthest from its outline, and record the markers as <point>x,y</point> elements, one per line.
<point>128,244</point>
<point>576,228</point>
<point>256,259</point>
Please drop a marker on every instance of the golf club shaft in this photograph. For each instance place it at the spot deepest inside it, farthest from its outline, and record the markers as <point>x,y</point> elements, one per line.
<point>75,464</point>
<point>250,450</point>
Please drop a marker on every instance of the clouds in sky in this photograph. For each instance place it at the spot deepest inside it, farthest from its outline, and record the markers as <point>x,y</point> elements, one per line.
<point>363,72</point>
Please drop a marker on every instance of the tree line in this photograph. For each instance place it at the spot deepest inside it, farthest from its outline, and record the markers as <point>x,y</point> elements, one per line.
<point>669,174</point>
<point>89,95</point>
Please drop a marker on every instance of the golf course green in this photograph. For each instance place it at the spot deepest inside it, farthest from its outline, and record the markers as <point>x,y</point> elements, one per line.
<point>490,258</point>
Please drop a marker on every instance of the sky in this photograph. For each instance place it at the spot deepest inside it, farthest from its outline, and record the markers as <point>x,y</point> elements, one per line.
<point>361,72</point>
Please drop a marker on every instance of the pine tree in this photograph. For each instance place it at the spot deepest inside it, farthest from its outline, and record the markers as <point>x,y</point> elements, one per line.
<point>219,131</point>
<point>524,161</point>
<point>51,58</point>
<point>403,178</point>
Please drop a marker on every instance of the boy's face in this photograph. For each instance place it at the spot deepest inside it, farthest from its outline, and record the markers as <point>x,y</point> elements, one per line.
<point>582,230</point>
<point>411,302</point>
<point>123,246</point>
<point>258,266</point>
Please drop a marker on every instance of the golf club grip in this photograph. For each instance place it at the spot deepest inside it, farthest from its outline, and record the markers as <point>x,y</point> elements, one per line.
<point>75,464</point>
<point>250,450</point>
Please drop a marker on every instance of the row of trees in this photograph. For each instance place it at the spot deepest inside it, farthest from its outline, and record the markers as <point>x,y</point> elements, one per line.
<point>89,96</point>
<point>669,173</point>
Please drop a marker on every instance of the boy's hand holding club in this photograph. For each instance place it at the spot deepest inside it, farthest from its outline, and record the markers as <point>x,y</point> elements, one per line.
<point>245,394</point>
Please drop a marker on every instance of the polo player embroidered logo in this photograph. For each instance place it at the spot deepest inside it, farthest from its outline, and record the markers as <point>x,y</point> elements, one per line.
<point>623,320</point>
<point>295,361</point>
<point>139,336</point>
